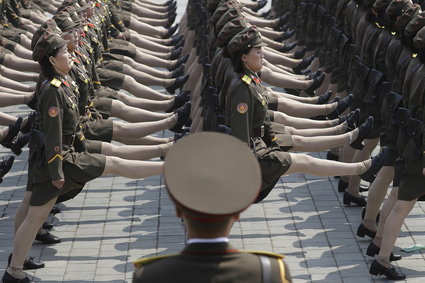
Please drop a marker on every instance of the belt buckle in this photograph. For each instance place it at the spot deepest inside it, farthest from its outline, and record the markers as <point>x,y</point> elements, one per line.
<point>262,131</point>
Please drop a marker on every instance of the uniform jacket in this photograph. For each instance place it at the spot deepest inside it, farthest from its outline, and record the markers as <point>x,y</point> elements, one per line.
<point>210,262</point>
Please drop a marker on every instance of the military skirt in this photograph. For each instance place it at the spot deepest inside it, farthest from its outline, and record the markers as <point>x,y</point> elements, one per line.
<point>110,78</point>
<point>78,169</point>
<point>273,163</point>
<point>103,105</point>
<point>107,92</point>
<point>100,130</point>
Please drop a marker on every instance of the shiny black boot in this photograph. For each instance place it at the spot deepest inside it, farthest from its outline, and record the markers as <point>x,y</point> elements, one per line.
<point>391,273</point>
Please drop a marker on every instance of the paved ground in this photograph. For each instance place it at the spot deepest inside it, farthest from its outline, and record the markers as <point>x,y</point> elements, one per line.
<point>117,220</point>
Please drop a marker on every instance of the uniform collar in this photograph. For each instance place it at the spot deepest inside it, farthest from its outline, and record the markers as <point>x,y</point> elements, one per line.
<point>214,248</point>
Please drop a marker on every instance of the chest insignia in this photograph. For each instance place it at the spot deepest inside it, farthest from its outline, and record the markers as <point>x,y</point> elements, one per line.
<point>242,108</point>
<point>53,111</point>
<point>246,79</point>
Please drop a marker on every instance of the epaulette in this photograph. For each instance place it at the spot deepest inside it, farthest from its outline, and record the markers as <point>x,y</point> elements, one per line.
<point>55,82</point>
<point>269,254</point>
<point>247,79</point>
<point>146,260</point>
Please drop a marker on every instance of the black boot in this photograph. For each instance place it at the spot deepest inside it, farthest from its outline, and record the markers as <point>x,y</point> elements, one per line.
<point>176,53</point>
<point>179,100</point>
<point>20,142</point>
<point>180,61</point>
<point>175,39</point>
<point>391,273</point>
<point>171,31</point>
<point>352,119</point>
<point>30,123</point>
<point>5,166</point>
<point>317,82</point>
<point>183,117</point>
<point>363,231</point>
<point>48,238</point>
<point>288,47</point>
<point>342,105</point>
<point>348,199</point>
<point>179,71</point>
<point>364,131</point>
<point>324,98</point>
<point>7,278</point>
<point>260,5</point>
<point>171,20</point>
<point>316,74</point>
<point>304,64</point>
<point>12,133</point>
<point>47,226</point>
<point>377,163</point>
<point>373,250</point>
<point>300,53</point>
<point>55,210</point>
<point>28,264</point>
<point>285,35</point>
<point>179,82</point>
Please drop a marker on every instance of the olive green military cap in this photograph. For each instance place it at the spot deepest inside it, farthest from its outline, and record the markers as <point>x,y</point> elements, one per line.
<point>406,17</point>
<point>415,25</point>
<point>248,38</point>
<point>73,14</point>
<point>211,175</point>
<point>397,7</point>
<point>381,5</point>
<point>419,39</point>
<point>47,43</point>
<point>231,14</point>
<point>73,3</point>
<point>221,10</point>
<point>230,30</point>
<point>64,21</point>
<point>50,23</point>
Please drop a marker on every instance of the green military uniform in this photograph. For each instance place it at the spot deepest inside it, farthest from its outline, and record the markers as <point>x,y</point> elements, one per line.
<point>53,156</point>
<point>209,198</point>
<point>246,115</point>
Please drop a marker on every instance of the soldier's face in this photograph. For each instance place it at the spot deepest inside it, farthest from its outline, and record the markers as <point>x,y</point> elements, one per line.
<point>62,61</point>
<point>253,60</point>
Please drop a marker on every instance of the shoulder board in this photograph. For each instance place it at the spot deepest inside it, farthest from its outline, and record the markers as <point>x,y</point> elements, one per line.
<point>246,79</point>
<point>55,82</point>
<point>269,254</point>
<point>146,260</point>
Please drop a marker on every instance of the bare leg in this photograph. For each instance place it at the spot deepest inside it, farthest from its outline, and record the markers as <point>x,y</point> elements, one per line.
<point>132,168</point>
<point>376,196</point>
<point>303,110</point>
<point>8,99</point>
<point>320,167</point>
<point>302,123</point>
<point>135,152</point>
<point>132,114</point>
<point>148,104</point>
<point>142,91</point>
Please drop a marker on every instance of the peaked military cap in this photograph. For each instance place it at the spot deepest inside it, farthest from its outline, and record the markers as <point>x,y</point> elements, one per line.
<point>415,25</point>
<point>397,7</point>
<point>48,42</point>
<point>211,175</point>
<point>380,5</point>
<point>64,21</point>
<point>248,38</point>
<point>230,30</point>
<point>50,23</point>
<point>221,10</point>
<point>231,14</point>
<point>419,39</point>
<point>406,17</point>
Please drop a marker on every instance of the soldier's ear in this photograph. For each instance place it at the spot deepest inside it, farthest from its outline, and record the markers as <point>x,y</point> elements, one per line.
<point>243,58</point>
<point>52,60</point>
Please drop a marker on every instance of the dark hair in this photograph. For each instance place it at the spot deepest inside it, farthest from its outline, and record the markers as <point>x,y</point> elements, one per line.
<point>237,59</point>
<point>46,67</point>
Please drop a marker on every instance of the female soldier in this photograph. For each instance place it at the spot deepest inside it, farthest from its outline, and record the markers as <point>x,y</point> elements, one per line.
<point>246,114</point>
<point>55,168</point>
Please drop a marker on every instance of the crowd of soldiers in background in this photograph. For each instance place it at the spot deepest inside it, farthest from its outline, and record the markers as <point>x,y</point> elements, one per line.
<point>332,57</point>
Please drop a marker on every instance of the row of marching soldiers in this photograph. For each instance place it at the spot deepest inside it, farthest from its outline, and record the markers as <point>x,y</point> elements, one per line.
<point>92,60</point>
<point>333,74</point>
<point>352,77</point>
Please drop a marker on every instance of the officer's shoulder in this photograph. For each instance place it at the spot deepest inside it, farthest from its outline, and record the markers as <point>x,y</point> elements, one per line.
<point>267,254</point>
<point>148,260</point>
<point>55,82</point>
<point>246,79</point>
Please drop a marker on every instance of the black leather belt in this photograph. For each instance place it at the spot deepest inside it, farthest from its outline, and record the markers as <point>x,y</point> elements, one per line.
<point>258,132</point>
<point>68,139</point>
